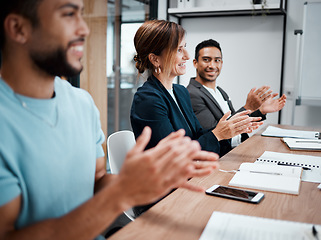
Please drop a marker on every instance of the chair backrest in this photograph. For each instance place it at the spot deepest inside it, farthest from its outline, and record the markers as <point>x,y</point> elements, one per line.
<point>118,144</point>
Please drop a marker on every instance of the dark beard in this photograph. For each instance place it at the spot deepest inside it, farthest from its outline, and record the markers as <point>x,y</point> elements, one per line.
<point>54,63</point>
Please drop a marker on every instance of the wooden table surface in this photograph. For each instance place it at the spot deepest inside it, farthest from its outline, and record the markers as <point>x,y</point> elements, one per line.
<point>184,214</point>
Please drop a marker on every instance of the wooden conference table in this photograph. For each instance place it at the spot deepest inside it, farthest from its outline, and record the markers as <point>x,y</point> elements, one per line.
<point>184,214</point>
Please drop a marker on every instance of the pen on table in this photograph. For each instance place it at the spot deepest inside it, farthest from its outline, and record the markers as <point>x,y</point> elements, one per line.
<point>315,142</point>
<point>315,232</point>
<point>284,164</point>
<point>272,173</point>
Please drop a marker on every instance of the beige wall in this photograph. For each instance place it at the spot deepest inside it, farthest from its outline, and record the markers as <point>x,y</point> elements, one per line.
<point>93,77</point>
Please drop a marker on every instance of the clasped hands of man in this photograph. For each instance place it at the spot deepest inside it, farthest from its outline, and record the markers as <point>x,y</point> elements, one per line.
<point>257,99</point>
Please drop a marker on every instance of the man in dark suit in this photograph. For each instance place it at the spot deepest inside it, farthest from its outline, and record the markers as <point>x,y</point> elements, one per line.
<point>210,102</point>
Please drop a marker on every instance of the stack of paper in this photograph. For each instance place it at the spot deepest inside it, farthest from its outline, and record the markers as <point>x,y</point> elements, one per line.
<point>303,144</point>
<point>228,226</point>
<point>280,132</point>
<point>273,178</point>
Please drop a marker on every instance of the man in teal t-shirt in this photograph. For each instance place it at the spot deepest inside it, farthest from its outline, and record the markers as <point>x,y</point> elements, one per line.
<point>49,137</point>
<point>53,182</point>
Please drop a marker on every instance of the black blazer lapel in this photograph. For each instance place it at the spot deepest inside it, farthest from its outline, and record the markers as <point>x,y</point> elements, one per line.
<point>226,98</point>
<point>177,114</point>
<point>209,96</point>
<point>244,136</point>
<point>186,108</point>
<point>215,109</point>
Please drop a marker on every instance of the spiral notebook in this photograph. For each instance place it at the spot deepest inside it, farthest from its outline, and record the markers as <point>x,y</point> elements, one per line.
<point>228,226</point>
<point>311,164</point>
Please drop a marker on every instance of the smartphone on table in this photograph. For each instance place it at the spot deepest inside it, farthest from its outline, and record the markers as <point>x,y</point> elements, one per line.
<point>235,193</point>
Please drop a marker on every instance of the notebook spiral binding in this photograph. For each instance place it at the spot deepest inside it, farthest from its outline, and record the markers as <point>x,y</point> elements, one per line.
<point>287,163</point>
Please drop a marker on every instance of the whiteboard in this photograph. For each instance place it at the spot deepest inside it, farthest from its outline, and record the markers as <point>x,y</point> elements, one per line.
<point>252,53</point>
<point>310,81</point>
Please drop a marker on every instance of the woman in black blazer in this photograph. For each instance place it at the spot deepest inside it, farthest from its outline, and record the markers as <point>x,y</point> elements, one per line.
<point>166,107</point>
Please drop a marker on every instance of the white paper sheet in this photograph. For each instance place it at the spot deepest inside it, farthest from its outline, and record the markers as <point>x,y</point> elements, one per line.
<point>230,226</point>
<point>280,132</point>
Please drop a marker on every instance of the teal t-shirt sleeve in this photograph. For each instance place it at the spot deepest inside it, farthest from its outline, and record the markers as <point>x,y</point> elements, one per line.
<point>99,149</point>
<point>9,186</point>
<point>100,137</point>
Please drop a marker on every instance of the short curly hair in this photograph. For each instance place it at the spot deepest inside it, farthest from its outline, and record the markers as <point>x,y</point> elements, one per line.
<point>204,44</point>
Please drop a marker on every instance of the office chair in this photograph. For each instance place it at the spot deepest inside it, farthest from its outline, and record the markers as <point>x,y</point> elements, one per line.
<point>118,144</point>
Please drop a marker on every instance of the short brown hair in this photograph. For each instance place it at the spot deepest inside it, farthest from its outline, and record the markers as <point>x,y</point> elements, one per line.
<point>156,36</point>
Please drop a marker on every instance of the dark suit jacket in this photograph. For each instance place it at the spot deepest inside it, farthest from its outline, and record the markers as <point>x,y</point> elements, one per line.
<point>207,109</point>
<point>153,106</point>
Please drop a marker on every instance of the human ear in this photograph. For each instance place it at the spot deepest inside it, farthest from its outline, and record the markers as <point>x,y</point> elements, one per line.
<point>195,63</point>
<point>17,28</point>
<point>154,60</point>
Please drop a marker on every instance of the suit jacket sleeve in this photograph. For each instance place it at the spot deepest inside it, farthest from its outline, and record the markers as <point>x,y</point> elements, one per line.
<point>256,113</point>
